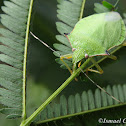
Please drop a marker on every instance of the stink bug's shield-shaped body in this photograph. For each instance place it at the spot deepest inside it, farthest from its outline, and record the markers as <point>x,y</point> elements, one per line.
<point>95,34</point>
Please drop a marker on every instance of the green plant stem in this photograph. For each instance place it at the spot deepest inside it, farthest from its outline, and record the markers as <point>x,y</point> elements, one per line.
<point>82,9</point>
<point>75,74</point>
<point>25,64</point>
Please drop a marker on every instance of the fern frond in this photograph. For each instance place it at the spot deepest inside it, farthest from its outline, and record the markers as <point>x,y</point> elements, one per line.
<point>104,7</point>
<point>69,13</point>
<point>99,8</point>
<point>13,53</point>
<point>81,104</point>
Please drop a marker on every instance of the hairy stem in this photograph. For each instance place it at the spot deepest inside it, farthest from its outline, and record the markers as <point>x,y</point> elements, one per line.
<point>75,74</point>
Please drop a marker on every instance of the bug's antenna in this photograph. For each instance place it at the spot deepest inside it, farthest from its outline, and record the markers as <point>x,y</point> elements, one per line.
<point>44,44</point>
<point>100,87</point>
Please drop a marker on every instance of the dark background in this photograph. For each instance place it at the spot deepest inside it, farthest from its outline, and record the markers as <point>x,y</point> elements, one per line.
<point>44,75</point>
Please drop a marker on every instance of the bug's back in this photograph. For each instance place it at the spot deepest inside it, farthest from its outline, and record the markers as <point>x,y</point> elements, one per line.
<point>97,33</point>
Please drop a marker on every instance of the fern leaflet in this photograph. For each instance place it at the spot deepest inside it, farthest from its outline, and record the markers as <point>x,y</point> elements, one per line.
<point>13,55</point>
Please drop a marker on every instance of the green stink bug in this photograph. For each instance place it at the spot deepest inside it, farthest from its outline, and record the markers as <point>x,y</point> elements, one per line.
<point>95,35</point>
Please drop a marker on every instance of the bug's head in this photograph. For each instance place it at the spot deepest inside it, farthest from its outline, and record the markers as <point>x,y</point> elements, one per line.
<point>66,34</point>
<point>79,54</point>
<point>86,56</point>
<point>73,49</point>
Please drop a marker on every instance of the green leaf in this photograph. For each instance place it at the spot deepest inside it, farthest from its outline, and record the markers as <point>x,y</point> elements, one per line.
<point>82,104</point>
<point>108,5</point>
<point>61,47</point>
<point>84,101</point>
<point>99,8</point>
<point>71,104</point>
<point>10,85</point>
<point>104,7</point>
<point>11,61</point>
<point>10,111</point>
<point>12,44</point>
<point>13,53</point>
<point>77,103</point>
<point>63,40</point>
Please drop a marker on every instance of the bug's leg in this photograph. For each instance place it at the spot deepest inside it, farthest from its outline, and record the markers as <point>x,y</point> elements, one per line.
<point>102,89</point>
<point>79,64</point>
<point>68,56</point>
<point>110,56</point>
<point>100,71</point>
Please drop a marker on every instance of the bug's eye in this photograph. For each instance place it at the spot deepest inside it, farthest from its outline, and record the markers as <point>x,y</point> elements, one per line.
<point>73,49</point>
<point>86,55</point>
<point>66,33</point>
